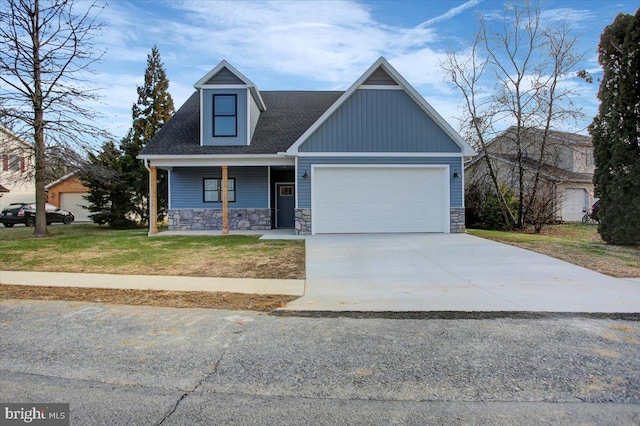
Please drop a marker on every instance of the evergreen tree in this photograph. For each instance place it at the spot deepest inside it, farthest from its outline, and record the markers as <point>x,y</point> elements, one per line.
<point>616,130</point>
<point>109,196</point>
<point>153,108</point>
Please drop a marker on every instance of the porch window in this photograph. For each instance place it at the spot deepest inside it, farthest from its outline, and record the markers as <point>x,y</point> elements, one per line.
<point>225,116</point>
<point>212,190</point>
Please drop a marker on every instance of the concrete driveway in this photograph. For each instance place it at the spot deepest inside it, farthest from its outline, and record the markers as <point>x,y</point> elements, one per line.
<point>451,272</point>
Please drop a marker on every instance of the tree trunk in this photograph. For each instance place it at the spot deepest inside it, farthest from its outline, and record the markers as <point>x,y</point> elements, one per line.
<point>38,125</point>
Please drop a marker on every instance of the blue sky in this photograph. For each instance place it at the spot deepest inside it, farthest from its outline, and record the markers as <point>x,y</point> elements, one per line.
<point>313,45</point>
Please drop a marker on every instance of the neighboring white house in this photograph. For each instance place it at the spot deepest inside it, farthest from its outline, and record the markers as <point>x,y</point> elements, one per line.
<point>17,171</point>
<point>568,167</point>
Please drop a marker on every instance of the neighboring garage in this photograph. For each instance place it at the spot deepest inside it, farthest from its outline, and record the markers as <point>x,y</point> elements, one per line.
<point>75,202</point>
<point>68,193</point>
<point>574,203</point>
<point>380,199</point>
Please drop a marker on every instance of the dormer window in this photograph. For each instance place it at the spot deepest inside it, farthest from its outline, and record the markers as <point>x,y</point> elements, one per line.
<point>225,115</point>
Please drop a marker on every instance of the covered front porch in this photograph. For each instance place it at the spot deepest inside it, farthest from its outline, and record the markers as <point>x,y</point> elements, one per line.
<point>224,198</point>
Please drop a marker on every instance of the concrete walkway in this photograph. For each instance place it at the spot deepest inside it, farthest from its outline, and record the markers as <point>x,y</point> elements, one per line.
<point>403,273</point>
<point>455,272</point>
<point>155,282</point>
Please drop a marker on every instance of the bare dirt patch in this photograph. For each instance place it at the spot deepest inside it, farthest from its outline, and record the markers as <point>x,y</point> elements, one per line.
<point>172,299</point>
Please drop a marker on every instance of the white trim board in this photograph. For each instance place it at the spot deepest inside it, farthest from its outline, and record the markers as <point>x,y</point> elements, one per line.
<point>381,154</point>
<point>379,87</point>
<point>209,162</point>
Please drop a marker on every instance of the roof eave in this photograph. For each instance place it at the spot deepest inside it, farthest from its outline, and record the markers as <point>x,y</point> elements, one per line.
<point>62,179</point>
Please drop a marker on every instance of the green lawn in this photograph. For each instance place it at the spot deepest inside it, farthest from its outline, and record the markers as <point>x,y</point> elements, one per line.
<point>92,249</point>
<point>576,243</point>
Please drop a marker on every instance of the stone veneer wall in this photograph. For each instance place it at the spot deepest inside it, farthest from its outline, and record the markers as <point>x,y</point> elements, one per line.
<point>457,220</point>
<point>211,219</point>
<point>303,221</point>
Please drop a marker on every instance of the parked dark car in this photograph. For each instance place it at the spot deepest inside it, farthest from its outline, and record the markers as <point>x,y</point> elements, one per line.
<point>25,213</point>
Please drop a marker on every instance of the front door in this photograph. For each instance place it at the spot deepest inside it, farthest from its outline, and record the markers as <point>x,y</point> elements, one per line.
<point>285,203</point>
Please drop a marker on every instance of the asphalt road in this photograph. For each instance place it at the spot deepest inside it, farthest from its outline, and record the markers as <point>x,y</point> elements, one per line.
<point>127,365</point>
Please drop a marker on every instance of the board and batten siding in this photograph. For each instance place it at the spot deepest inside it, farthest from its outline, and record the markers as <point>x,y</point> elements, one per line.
<point>254,115</point>
<point>379,121</point>
<point>305,163</point>
<point>187,187</point>
<point>207,117</point>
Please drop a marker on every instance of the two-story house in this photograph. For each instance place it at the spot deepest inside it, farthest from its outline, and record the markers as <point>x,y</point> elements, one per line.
<point>17,172</point>
<point>567,166</point>
<point>374,158</point>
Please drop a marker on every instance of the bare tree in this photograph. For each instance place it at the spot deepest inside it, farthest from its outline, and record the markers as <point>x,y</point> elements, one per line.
<point>47,49</point>
<point>512,75</point>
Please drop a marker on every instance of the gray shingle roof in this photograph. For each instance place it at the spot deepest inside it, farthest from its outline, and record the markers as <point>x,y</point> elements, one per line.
<point>556,173</point>
<point>289,114</point>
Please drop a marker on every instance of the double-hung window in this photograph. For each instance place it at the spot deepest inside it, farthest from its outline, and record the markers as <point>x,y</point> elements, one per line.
<point>225,115</point>
<point>212,190</point>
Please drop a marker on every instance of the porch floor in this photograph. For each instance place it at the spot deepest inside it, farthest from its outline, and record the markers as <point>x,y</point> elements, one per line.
<point>268,234</point>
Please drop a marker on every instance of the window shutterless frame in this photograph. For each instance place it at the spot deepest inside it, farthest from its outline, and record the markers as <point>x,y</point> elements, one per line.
<point>212,190</point>
<point>225,115</point>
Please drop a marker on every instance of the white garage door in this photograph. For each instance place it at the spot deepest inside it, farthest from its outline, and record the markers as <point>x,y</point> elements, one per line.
<point>380,199</point>
<point>574,201</point>
<point>75,203</point>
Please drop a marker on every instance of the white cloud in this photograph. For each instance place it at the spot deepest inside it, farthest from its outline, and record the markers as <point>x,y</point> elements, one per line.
<point>573,18</point>
<point>278,45</point>
<point>330,42</point>
<point>450,13</point>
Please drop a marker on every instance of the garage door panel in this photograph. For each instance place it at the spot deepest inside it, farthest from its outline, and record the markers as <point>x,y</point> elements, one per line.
<point>574,201</point>
<point>379,199</point>
<point>75,203</point>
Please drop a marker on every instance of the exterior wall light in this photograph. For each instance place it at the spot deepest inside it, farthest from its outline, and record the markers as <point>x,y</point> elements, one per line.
<point>305,175</point>
<point>456,174</point>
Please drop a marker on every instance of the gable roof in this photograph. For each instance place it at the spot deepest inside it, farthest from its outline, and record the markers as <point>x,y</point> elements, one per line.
<point>374,71</point>
<point>13,136</point>
<point>226,68</point>
<point>562,137</point>
<point>62,179</point>
<point>288,115</point>
<point>551,172</point>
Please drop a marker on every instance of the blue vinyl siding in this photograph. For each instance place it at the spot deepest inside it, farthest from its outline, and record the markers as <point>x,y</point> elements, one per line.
<point>207,117</point>
<point>251,187</point>
<point>379,121</point>
<point>455,164</point>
